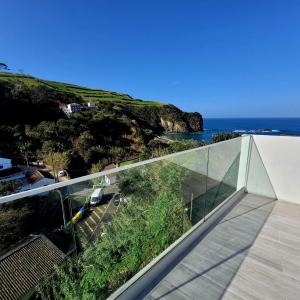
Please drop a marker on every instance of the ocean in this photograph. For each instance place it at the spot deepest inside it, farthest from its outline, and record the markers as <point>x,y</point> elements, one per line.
<point>264,126</point>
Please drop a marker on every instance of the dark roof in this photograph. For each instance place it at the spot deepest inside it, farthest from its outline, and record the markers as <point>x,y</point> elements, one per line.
<point>34,176</point>
<point>10,171</point>
<point>22,268</point>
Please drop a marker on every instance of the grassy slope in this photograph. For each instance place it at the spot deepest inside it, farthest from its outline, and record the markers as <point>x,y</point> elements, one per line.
<point>92,95</point>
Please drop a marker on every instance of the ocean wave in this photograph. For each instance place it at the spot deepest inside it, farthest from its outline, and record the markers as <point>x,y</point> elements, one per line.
<point>240,131</point>
<point>267,130</point>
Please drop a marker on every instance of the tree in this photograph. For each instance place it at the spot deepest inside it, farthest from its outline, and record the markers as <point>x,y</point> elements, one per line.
<point>117,153</point>
<point>76,166</point>
<point>99,166</point>
<point>84,143</point>
<point>57,160</point>
<point>25,149</point>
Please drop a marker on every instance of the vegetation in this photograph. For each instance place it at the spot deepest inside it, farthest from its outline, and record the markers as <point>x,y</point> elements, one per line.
<point>128,162</point>
<point>9,187</point>
<point>86,94</point>
<point>57,160</point>
<point>151,220</point>
<point>157,148</point>
<point>223,136</point>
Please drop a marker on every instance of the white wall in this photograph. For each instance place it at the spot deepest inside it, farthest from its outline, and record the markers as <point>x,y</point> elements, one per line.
<point>43,182</point>
<point>281,158</point>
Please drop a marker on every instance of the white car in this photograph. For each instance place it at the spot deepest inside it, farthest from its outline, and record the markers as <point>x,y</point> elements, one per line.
<point>61,173</point>
<point>96,197</point>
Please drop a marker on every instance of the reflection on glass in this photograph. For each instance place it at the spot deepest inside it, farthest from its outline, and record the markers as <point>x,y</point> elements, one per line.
<point>258,181</point>
<point>119,222</point>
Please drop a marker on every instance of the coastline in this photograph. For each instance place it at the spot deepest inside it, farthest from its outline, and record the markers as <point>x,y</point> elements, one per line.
<point>261,126</point>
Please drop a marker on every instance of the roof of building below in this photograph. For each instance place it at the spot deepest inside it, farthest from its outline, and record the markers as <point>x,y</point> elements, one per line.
<point>10,171</point>
<point>34,176</point>
<point>22,268</point>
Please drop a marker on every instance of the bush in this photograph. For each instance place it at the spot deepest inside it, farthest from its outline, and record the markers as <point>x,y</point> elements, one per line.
<point>177,146</point>
<point>219,137</point>
<point>9,187</point>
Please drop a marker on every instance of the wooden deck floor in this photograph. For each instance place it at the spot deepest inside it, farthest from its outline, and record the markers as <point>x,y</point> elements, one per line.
<point>253,253</point>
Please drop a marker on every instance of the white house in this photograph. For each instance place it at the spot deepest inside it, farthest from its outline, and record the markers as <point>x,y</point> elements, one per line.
<point>35,179</point>
<point>28,179</point>
<point>5,163</point>
<point>91,105</point>
<point>73,107</point>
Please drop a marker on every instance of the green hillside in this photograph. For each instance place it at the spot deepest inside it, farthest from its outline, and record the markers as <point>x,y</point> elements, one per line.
<point>120,129</point>
<point>87,94</point>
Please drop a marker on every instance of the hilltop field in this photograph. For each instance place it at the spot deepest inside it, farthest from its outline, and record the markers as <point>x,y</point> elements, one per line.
<point>86,94</point>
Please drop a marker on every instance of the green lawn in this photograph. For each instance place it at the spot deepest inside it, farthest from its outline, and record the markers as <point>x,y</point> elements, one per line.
<point>96,95</point>
<point>128,162</point>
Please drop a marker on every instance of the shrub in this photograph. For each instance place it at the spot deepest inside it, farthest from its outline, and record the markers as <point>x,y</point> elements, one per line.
<point>9,187</point>
<point>219,137</point>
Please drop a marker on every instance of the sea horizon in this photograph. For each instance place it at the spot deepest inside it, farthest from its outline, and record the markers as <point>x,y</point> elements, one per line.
<point>287,126</point>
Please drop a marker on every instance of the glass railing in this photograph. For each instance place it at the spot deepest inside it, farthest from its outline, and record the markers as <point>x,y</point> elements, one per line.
<point>113,223</point>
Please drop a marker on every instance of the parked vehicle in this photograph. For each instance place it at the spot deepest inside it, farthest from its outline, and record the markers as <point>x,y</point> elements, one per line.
<point>61,173</point>
<point>117,199</point>
<point>79,215</point>
<point>96,197</point>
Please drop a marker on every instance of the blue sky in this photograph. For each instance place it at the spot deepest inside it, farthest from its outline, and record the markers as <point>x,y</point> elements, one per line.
<point>225,58</point>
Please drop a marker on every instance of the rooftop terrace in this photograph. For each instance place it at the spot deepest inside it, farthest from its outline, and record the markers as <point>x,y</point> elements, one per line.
<point>252,253</point>
<point>220,221</point>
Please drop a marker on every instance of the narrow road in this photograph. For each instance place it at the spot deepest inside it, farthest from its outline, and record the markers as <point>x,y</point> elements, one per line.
<point>90,228</point>
<point>87,226</point>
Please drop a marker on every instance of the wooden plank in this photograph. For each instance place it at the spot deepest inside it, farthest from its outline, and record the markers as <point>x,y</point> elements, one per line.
<point>253,253</point>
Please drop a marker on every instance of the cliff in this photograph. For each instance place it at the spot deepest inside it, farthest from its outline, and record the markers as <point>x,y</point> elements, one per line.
<point>167,118</point>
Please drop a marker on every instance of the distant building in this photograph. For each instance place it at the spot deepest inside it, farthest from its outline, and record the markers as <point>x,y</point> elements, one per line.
<point>28,178</point>
<point>73,107</point>
<point>23,267</point>
<point>91,105</point>
<point>14,173</point>
<point>5,163</point>
<point>36,179</point>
